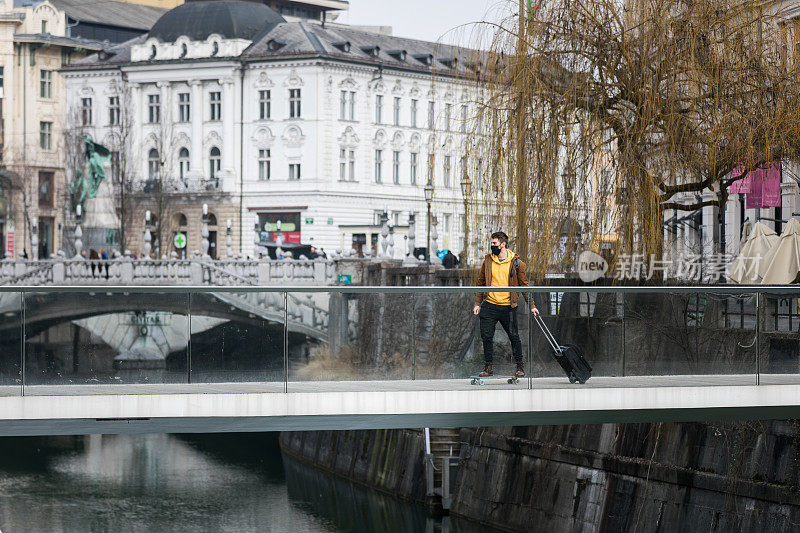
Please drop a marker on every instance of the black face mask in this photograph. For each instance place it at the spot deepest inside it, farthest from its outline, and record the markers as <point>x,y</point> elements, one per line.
<point>495,250</point>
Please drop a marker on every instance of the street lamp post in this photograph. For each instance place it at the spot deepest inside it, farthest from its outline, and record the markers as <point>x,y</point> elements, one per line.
<point>428,199</point>
<point>466,186</point>
<point>204,232</point>
<point>78,231</point>
<point>34,239</point>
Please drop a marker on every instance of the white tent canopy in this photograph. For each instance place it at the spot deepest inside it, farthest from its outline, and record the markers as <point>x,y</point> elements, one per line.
<point>745,268</point>
<point>781,265</point>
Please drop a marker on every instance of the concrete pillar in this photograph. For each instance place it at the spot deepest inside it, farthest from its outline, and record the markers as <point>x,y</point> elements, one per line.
<point>196,272</point>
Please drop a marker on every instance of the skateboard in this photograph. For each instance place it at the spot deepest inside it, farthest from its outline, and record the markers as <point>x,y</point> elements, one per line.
<point>477,380</point>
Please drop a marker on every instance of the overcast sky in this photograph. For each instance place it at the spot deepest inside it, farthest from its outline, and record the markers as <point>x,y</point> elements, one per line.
<point>429,20</point>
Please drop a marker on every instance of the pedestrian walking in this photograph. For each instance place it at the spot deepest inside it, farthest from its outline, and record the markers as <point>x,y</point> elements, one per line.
<point>501,268</point>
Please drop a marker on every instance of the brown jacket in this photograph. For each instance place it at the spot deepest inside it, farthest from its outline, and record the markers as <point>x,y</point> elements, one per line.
<point>516,278</point>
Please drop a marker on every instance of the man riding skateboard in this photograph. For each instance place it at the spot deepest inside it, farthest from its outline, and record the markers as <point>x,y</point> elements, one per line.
<point>501,268</point>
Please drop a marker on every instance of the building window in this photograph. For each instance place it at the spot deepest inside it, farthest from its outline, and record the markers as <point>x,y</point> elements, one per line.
<point>2,76</point>
<point>347,105</point>
<point>351,163</point>
<point>113,110</point>
<point>46,84</point>
<point>154,108</point>
<point>183,163</point>
<point>45,189</point>
<point>396,114</point>
<point>413,113</point>
<point>153,164</point>
<point>214,163</point>
<point>413,167</point>
<point>396,167</point>
<point>86,111</point>
<point>464,119</point>
<point>215,101</point>
<point>378,166</point>
<point>447,171</point>
<point>263,164</point>
<point>351,106</point>
<point>447,223</point>
<point>342,164</point>
<point>44,26</point>
<point>431,111</point>
<point>294,103</point>
<point>448,110</point>
<point>264,104</point>
<point>294,171</point>
<point>46,135</point>
<point>184,107</point>
<point>378,109</point>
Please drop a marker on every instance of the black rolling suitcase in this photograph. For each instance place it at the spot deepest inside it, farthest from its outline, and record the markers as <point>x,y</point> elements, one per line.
<point>568,356</point>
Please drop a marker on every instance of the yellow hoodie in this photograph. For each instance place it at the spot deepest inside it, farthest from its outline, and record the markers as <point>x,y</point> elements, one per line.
<point>500,273</point>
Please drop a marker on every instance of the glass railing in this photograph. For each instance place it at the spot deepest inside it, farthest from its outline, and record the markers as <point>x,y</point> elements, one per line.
<point>74,340</point>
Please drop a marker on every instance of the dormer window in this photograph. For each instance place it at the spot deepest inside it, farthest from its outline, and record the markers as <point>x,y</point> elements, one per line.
<point>425,59</point>
<point>153,51</point>
<point>449,62</point>
<point>371,51</point>
<point>274,45</point>
<point>184,50</point>
<point>344,46</point>
<point>399,55</point>
<point>214,48</point>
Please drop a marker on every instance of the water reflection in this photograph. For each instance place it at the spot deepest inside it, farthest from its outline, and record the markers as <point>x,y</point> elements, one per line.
<point>224,482</point>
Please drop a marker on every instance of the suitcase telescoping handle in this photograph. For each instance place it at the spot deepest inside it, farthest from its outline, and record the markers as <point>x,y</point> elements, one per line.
<point>549,336</point>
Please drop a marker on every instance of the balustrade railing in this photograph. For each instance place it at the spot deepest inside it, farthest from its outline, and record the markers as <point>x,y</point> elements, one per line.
<point>197,271</point>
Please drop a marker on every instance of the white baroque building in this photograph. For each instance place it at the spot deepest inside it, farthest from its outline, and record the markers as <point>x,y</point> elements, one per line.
<point>318,126</point>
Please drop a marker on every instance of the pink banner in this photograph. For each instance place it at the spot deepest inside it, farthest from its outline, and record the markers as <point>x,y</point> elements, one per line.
<point>771,184</point>
<point>762,186</point>
<point>743,185</point>
<point>756,195</point>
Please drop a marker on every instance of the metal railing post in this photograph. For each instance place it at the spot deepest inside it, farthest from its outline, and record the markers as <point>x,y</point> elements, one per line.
<point>22,342</point>
<point>758,338</point>
<point>285,342</point>
<point>413,336</point>
<point>624,333</point>
<point>530,344</point>
<point>189,340</point>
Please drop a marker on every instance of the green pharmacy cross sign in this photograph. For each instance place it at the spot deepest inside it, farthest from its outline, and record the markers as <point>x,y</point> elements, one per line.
<point>180,241</point>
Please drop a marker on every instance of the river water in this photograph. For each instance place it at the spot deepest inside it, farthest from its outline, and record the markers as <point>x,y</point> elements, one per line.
<point>166,483</point>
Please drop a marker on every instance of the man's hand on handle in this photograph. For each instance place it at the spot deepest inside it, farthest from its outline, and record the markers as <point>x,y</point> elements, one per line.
<point>534,310</point>
<point>476,310</point>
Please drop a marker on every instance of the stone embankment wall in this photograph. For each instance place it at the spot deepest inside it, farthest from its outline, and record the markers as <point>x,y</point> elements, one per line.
<point>626,477</point>
<point>632,477</point>
<point>387,460</point>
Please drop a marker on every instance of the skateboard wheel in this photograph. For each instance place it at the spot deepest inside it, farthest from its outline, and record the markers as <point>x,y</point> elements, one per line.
<point>511,380</point>
<point>472,382</point>
<point>572,378</point>
<point>480,382</point>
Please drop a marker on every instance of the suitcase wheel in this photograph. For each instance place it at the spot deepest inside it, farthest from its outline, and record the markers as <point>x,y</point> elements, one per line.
<point>572,378</point>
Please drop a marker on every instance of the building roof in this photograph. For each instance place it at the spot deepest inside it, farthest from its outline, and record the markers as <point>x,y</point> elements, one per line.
<point>233,19</point>
<point>46,38</point>
<point>285,40</point>
<point>111,13</point>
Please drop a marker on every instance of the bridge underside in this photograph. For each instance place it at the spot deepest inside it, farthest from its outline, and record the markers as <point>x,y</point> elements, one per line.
<point>230,407</point>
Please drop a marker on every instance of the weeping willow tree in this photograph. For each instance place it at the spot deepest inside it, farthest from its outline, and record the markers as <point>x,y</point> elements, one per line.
<point>604,117</point>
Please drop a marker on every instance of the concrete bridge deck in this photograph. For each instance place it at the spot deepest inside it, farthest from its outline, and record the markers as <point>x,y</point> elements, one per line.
<point>223,407</point>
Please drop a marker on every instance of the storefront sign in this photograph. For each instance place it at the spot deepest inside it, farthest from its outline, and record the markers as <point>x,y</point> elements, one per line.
<point>180,241</point>
<point>309,220</point>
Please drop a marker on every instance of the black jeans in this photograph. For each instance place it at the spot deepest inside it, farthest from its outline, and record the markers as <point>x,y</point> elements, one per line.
<point>490,315</point>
